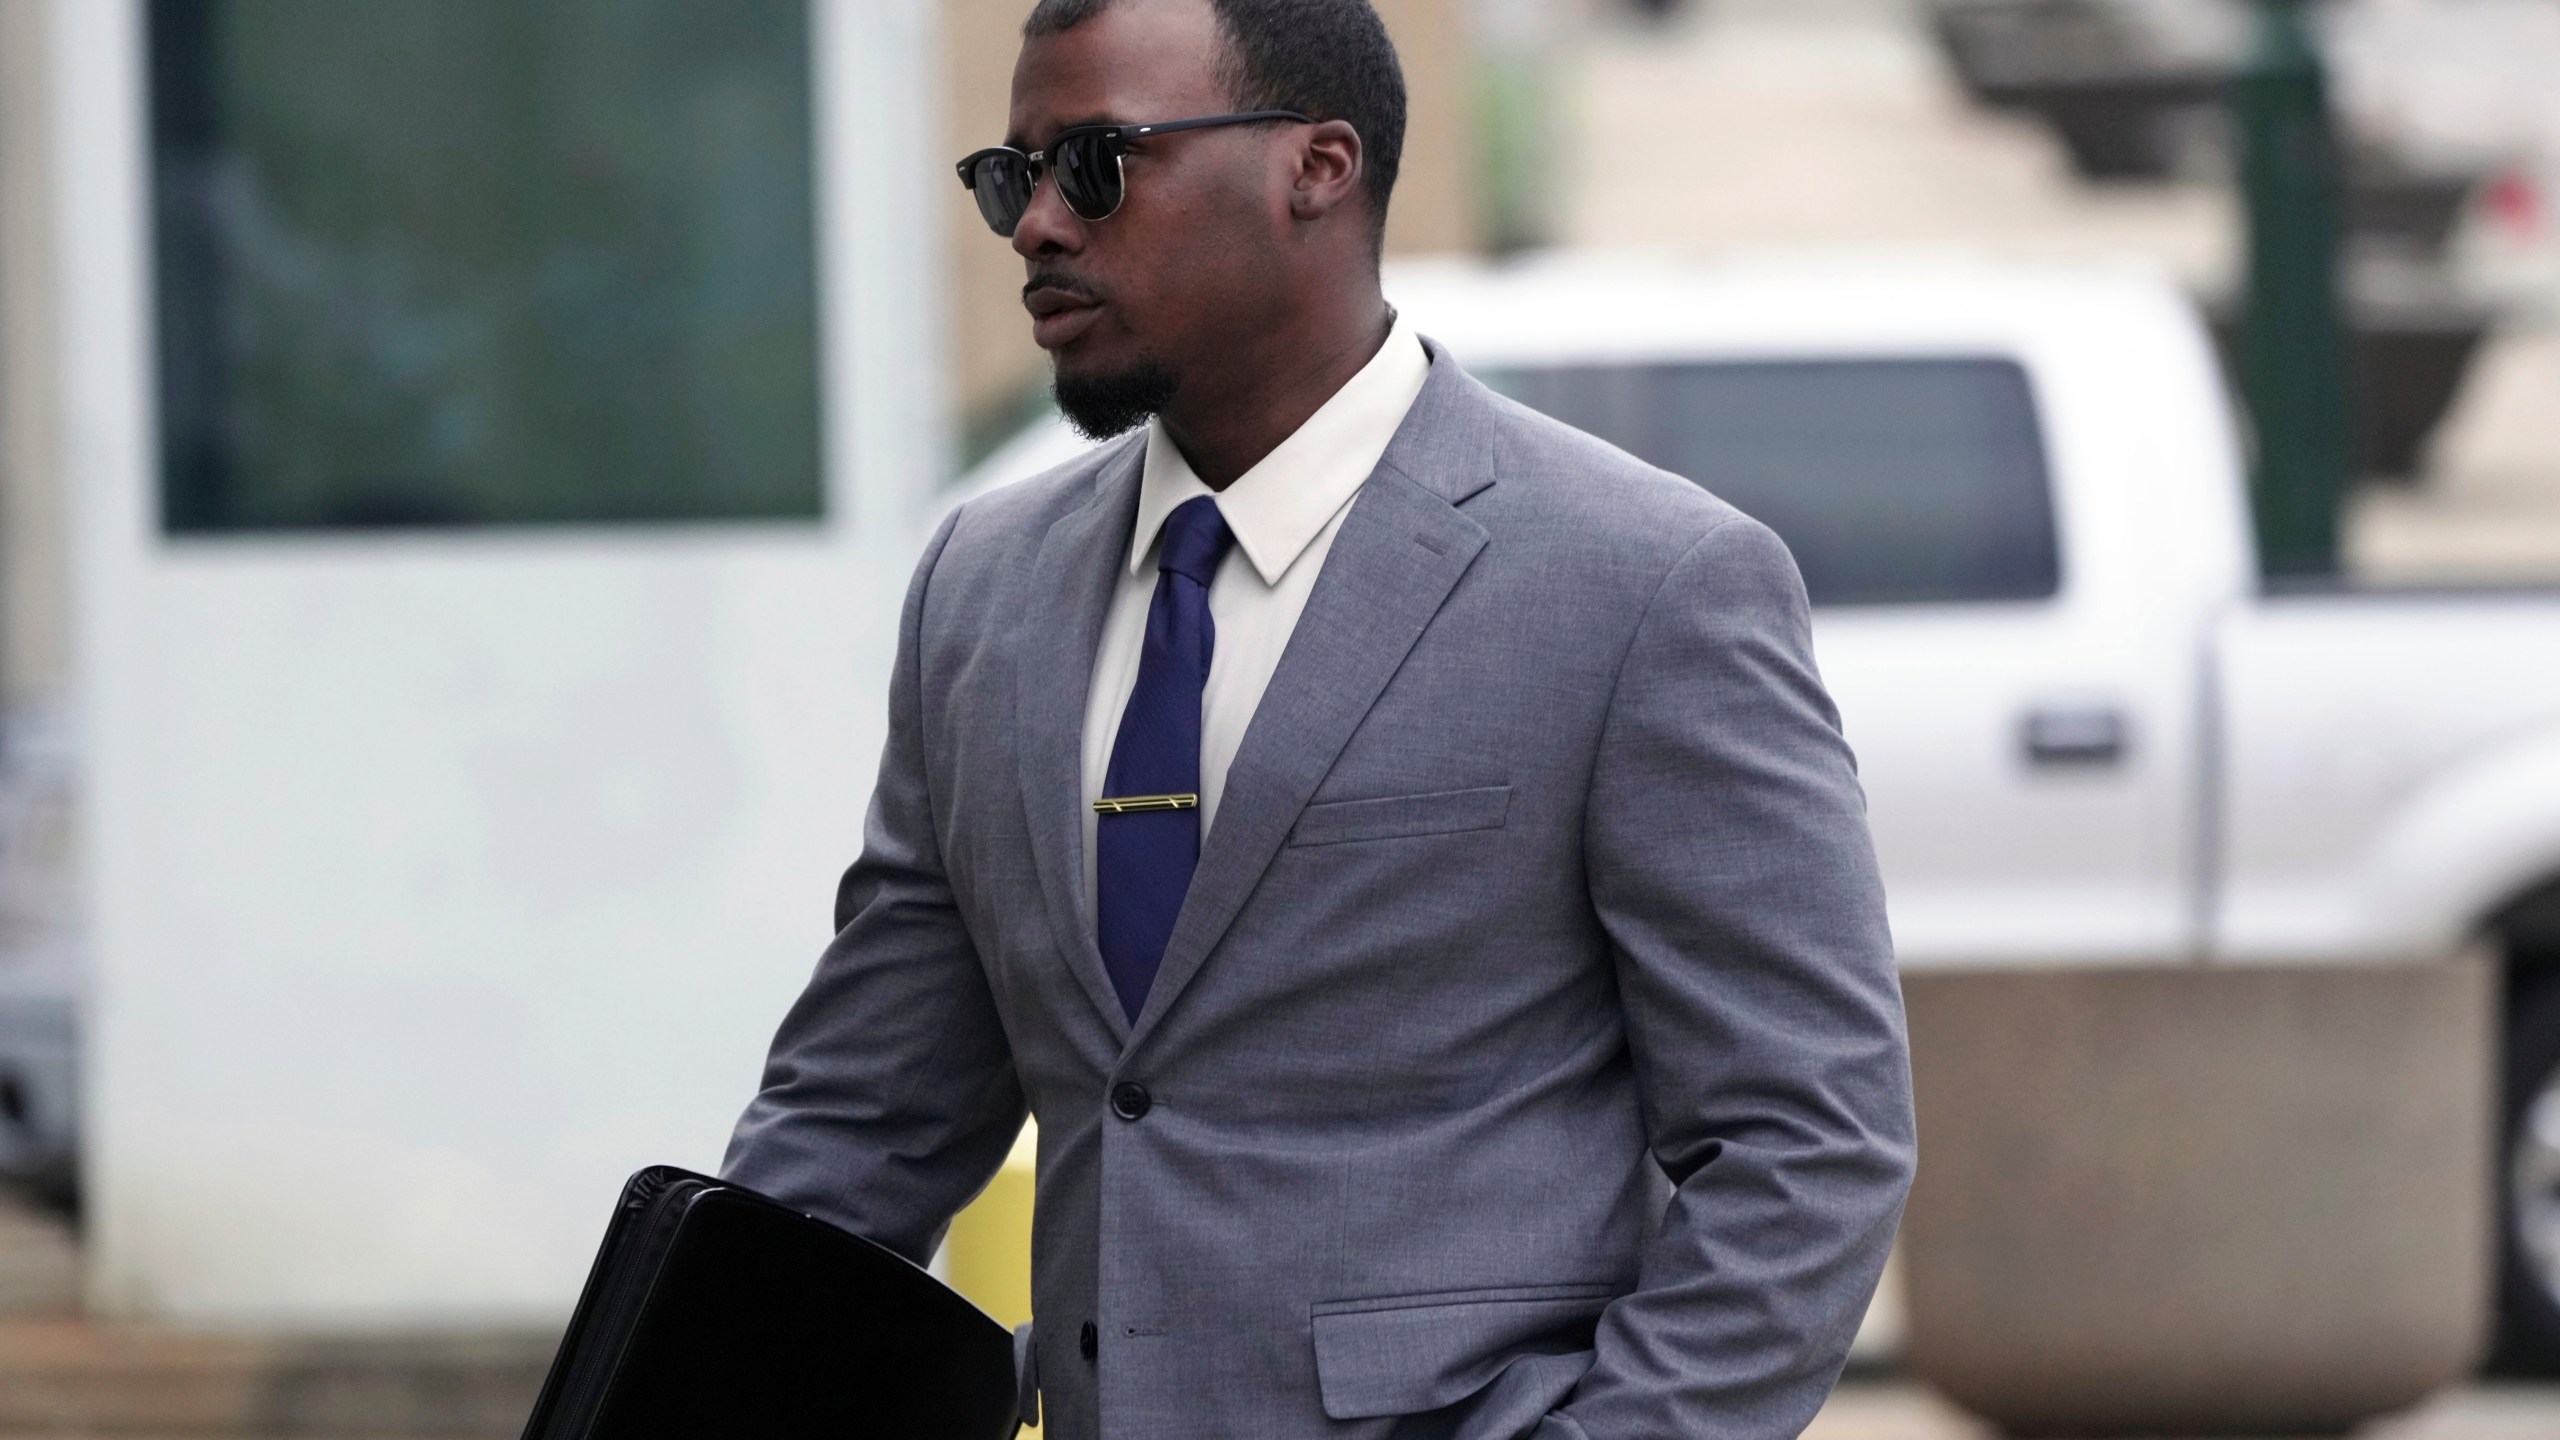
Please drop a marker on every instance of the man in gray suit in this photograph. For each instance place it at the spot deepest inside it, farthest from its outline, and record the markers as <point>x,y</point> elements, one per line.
<point>1398,846</point>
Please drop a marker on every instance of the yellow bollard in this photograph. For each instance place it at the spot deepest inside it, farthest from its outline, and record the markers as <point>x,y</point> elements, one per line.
<point>988,1253</point>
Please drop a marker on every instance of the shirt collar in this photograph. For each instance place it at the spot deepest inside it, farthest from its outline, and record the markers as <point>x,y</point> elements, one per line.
<point>1280,506</point>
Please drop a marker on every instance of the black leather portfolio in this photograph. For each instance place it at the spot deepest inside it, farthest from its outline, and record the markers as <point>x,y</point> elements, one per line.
<point>713,1311</point>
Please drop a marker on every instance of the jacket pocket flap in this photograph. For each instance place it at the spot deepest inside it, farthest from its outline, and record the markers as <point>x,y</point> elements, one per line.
<point>1405,1354</point>
<point>1336,821</point>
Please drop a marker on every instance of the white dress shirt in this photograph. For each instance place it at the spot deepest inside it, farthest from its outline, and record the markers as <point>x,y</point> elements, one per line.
<point>1284,512</point>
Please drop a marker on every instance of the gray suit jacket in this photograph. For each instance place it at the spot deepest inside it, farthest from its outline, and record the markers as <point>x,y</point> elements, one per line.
<point>1527,1058</point>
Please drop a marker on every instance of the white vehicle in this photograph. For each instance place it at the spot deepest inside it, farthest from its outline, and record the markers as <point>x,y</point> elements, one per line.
<point>2095,745</point>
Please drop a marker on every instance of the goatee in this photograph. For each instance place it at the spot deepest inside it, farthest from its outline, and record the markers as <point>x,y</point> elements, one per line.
<point>1104,405</point>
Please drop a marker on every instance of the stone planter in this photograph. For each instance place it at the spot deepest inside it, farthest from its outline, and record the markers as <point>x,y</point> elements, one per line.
<point>2199,1200</point>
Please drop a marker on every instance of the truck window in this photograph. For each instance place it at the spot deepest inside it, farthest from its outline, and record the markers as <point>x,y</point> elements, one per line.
<point>1893,481</point>
<point>480,262</point>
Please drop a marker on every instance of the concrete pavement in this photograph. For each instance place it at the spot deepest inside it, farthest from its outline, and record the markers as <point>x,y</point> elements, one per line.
<point>63,1377</point>
<point>1866,1410</point>
<point>1896,1410</point>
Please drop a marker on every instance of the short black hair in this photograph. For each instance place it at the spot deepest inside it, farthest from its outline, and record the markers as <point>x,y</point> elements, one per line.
<point>1327,58</point>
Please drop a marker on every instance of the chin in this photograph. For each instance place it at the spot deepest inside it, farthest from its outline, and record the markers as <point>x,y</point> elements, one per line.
<point>1096,358</point>
<point>1096,354</point>
<point>1103,400</point>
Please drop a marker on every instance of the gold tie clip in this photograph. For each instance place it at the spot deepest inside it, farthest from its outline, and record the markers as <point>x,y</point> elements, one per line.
<point>1140,804</point>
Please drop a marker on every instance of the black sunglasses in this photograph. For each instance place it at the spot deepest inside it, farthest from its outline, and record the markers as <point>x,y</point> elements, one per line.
<point>1086,160</point>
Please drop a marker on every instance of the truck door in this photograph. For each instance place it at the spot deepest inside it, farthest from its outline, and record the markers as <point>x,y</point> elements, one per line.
<point>2021,750</point>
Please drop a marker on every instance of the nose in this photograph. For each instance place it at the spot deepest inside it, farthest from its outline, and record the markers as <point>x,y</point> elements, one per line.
<point>1048,227</point>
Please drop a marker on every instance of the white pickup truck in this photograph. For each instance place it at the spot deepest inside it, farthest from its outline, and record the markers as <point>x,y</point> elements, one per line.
<point>2201,889</point>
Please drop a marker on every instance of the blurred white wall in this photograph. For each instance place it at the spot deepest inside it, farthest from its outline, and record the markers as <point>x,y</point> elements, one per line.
<point>437,880</point>
<point>33,632</point>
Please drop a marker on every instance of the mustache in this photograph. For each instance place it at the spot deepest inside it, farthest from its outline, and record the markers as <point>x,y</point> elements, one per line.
<point>1064,284</point>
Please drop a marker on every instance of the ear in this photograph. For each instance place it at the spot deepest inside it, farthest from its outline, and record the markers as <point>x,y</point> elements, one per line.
<point>1328,173</point>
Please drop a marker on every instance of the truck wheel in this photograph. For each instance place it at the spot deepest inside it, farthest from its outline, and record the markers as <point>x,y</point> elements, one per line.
<point>2529,1181</point>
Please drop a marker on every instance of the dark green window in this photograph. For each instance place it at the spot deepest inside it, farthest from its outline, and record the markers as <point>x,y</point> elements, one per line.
<point>483,262</point>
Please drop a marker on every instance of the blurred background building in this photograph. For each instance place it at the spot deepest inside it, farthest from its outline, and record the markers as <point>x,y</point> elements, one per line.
<point>2095,133</point>
<point>459,463</point>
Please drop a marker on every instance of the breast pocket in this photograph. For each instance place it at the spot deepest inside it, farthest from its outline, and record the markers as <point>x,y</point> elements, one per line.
<point>1395,817</point>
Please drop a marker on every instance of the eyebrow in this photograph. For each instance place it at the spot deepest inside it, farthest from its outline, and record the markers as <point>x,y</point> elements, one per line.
<point>1015,140</point>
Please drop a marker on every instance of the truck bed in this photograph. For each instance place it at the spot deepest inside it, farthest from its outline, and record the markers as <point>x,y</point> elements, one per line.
<point>2387,764</point>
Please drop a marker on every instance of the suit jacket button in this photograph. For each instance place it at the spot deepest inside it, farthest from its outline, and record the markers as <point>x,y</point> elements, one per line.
<point>1089,1340</point>
<point>1130,1100</point>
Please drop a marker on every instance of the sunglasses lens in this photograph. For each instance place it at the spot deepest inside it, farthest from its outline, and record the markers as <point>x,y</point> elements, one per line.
<point>1002,184</point>
<point>1088,175</point>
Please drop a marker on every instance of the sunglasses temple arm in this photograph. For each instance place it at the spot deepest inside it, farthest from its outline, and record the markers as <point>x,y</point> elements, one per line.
<point>1203,123</point>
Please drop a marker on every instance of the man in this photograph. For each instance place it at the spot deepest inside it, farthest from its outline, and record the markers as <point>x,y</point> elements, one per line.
<point>1396,845</point>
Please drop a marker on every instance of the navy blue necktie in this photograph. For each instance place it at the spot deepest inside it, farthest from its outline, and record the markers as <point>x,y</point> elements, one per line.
<point>1147,836</point>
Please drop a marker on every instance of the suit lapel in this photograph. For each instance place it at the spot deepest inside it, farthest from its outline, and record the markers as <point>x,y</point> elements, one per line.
<point>1399,553</point>
<point>1073,576</point>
